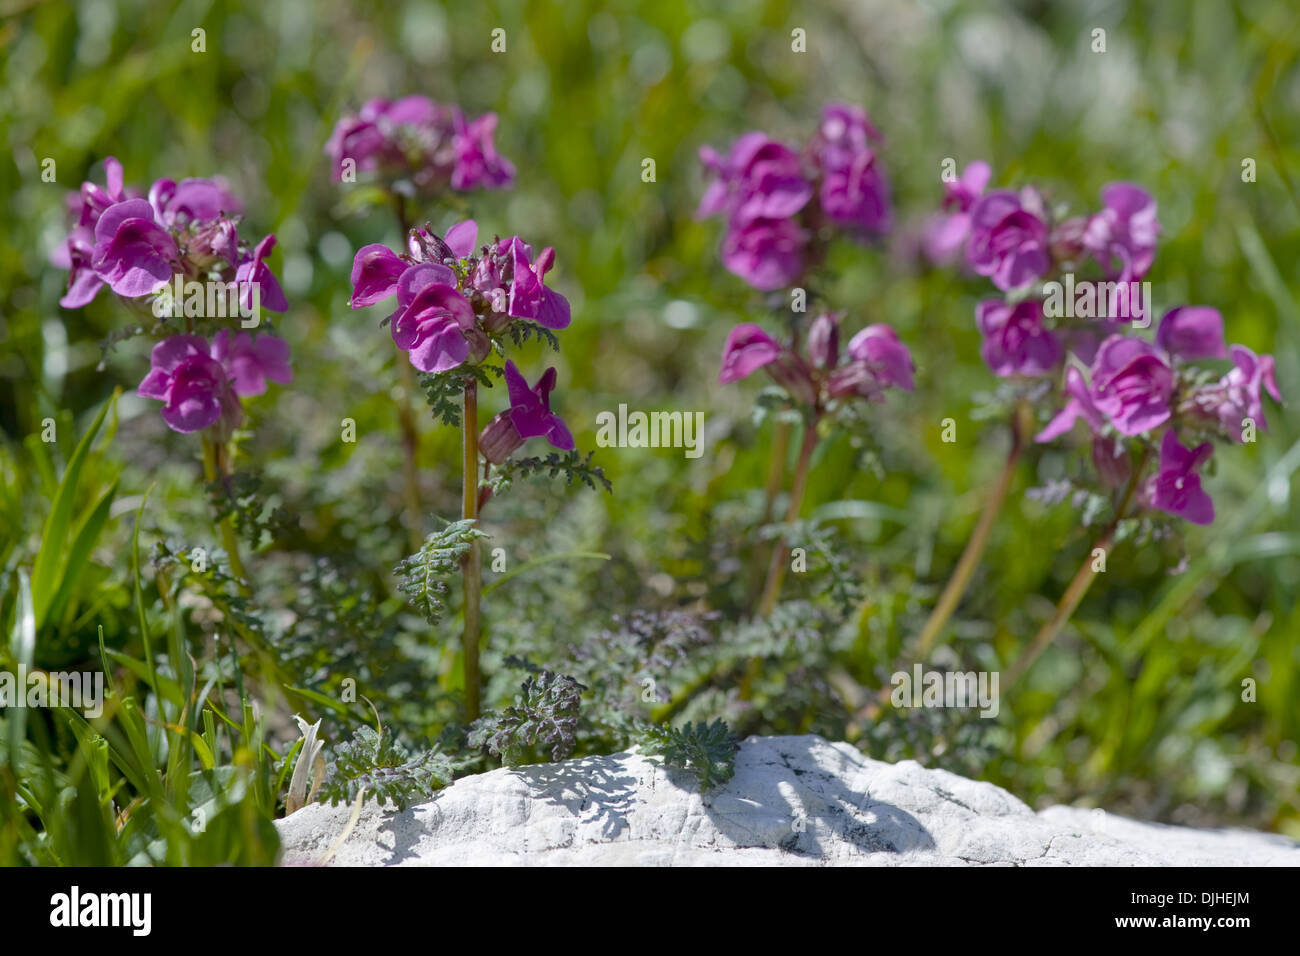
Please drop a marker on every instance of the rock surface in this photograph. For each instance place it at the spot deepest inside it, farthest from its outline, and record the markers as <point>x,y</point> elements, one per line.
<point>794,801</point>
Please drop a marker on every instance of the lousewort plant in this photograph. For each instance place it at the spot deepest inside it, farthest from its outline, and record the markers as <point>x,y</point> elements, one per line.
<point>457,306</point>
<point>783,207</point>
<point>414,148</point>
<point>177,255</point>
<point>1071,317</point>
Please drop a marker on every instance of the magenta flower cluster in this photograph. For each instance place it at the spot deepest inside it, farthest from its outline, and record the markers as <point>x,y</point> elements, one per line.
<point>135,243</point>
<point>200,384</point>
<point>453,298</point>
<point>875,360</point>
<point>780,202</point>
<point>435,146</point>
<point>1121,385</point>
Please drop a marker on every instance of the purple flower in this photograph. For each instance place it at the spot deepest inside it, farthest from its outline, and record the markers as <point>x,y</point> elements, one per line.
<point>1239,394</point>
<point>255,269</point>
<point>884,353</point>
<point>1008,239</point>
<point>193,386</point>
<point>1079,404</point>
<point>477,161</point>
<point>76,255</point>
<point>747,349</point>
<point>357,139</point>
<point>529,416</point>
<point>461,237</point>
<point>760,179</point>
<point>191,200</point>
<point>132,254</point>
<point>214,243</point>
<point>854,193</point>
<point>375,271</point>
<point>962,193</point>
<point>252,361</point>
<point>1131,384</point>
<point>766,253</point>
<point>431,318</point>
<point>1124,231</point>
<point>372,137</point>
<point>1015,341</point>
<point>413,110</point>
<point>529,296</point>
<point>1176,487</point>
<point>530,409</point>
<point>946,234</point>
<point>93,200</point>
<point>1192,332</point>
<point>434,146</point>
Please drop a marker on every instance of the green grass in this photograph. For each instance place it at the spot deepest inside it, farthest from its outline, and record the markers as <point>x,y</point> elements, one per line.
<point>1138,706</point>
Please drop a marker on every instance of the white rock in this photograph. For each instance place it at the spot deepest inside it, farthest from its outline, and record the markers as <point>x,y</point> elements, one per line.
<point>794,801</point>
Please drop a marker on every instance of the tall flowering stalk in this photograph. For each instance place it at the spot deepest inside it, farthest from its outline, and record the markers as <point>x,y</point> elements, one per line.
<point>1140,399</point>
<point>782,207</point>
<point>456,306</point>
<point>183,237</point>
<point>415,148</point>
<point>1011,238</point>
<point>820,382</point>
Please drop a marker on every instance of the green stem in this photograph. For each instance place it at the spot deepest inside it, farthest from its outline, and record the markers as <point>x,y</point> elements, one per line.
<point>1077,587</point>
<point>775,477</point>
<point>776,468</point>
<point>214,467</point>
<point>776,570</point>
<point>979,539</point>
<point>472,562</point>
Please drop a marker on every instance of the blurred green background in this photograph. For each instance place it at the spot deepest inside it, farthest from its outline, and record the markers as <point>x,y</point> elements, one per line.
<point>1138,705</point>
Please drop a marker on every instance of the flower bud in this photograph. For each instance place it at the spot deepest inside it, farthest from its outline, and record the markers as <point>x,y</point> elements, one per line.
<point>856,378</point>
<point>1111,461</point>
<point>1067,241</point>
<point>479,344</point>
<point>213,242</point>
<point>824,341</point>
<point>499,439</point>
<point>426,247</point>
<point>790,373</point>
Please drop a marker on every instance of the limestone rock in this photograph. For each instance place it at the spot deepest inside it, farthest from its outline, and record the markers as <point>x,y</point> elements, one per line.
<point>794,801</point>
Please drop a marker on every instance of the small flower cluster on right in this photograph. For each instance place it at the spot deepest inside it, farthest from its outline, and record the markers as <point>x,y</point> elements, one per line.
<point>1134,395</point>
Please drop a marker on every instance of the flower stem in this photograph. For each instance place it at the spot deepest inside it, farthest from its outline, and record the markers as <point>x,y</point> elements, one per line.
<point>979,539</point>
<point>776,468</point>
<point>215,466</point>
<point>471,562</point>
<point>776,570</point>
<point>1077,588</point>
<point>775,477</point>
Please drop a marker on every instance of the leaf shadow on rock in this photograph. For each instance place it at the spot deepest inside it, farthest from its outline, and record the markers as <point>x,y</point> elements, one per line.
<point>781,798</point>
<point>407,827</point>
<point>587,787</point>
